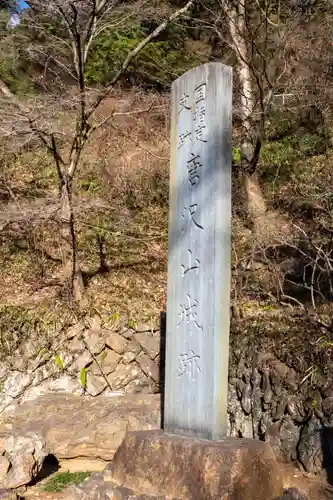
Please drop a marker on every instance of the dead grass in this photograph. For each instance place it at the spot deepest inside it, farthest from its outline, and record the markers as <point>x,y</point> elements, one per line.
<point>124,173</point>
<point>121,193</point>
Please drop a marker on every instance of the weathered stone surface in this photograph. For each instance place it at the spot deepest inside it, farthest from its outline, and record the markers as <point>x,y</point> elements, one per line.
<point>144,327</point>
<point>16,383</point>
<point>4,466</point>
<point>29,349</point>
<point>95,384</point>
<point>267,400</point>
<point>149,343</point>
<point>327,409</point>
<point>4,368</point>
<point>43,372</point>
<point>95,323</point>
<point>2,446</point>
<point>123,375</point>
<point>128,333</point>
<point>148,366</point>
<point>74,426</point>
<point>306,486</point>
<point>298,486</point>
<point>81,361</point>
<point>108,361</point>
<point>6,494</point>
<point>143,385</point>
<point>103,489</point>
<point>310,449</point>
<point>63,384</point>
<point>100,487</point>
<point>95,340</point>
<point>116,342</point>
<point>17,362</point>
<point>42,358</point>
<point>133,346</point>
<point>128,357</point>
<point>26,454</point>
<point>76,345</point>
<point>5,401</point>
<point>75,330</point>
<point>292,494</point>
<point>154,463</point>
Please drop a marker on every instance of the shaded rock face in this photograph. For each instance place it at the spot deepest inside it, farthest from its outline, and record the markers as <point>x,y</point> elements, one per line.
<point>6,494</point>
<point>22,459</point>
<point>292,494</point>
<point>272,399</point>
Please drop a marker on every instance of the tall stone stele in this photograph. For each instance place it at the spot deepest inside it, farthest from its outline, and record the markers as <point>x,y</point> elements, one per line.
<point>197,334</point>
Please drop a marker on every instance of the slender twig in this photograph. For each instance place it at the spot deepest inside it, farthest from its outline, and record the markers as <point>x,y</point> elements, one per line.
<point>122,234</point>
<point>137,143</point>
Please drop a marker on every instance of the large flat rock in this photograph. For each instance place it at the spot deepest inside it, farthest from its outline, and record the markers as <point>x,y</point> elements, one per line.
<point>76,426</point>
<point>157,464</point>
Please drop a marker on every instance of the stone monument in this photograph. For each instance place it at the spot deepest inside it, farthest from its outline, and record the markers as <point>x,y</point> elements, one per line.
<point>197,336</point>
<point>193,459</point>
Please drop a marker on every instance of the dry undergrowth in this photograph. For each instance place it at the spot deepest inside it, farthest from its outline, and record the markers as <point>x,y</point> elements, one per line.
<point>121,198</point>
<point>121,206</point>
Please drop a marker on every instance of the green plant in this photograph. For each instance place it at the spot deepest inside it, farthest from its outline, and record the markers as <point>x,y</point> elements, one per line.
<point>59,362</point>
<point>132,324</point>
<point>61,480</point>
<point>236,155</point>
<point>90,184</point>
<point>83,378</point>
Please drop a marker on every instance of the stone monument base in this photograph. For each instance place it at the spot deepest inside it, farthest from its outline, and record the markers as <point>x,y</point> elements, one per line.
<point>155,464</point>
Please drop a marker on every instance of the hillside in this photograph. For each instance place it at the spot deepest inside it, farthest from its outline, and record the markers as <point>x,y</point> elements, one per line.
<point>84,196</point>
<point>120,193</point>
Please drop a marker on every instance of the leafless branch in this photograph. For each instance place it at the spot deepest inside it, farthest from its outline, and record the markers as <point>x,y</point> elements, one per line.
<point>137,50</point>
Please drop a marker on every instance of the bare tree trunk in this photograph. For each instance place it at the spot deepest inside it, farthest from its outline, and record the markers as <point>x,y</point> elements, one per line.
<point>256,204</point>
<point>80,36</point>
<point>72,274</point>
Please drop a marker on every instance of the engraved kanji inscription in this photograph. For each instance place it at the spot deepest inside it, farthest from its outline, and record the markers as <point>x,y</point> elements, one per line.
<point>199,132</point>
<point>199,113</point>
<point>192,266</point>
<point>189,365</point>
<point>188,313</point>
<point>193,167</point>
<point>183,103</point>
<point>200,93</point>
<point>189,213</point>
<point>186,136</point>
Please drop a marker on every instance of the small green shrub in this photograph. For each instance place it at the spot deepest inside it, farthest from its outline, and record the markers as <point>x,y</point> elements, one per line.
<point>278,159</point>
<point>280,152</point>
<point>61,480</point>
<point>90,184</point>
<point>236,155</point>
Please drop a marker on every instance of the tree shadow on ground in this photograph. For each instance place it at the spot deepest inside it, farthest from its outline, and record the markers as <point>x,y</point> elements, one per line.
<point>137,264</point>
